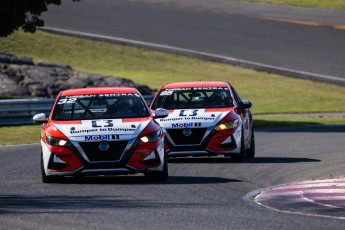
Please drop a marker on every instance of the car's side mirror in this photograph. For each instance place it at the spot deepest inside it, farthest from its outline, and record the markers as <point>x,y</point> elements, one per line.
<point>40,118</point>
<point>161,113</point>
<point>245,104</point>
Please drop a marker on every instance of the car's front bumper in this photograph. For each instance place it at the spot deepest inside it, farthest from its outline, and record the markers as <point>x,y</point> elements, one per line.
<point>65,161</point>
<point>213,143</point>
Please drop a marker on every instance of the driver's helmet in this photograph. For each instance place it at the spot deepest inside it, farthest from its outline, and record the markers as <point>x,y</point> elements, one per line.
<point>218,95</point>
<point>217,99</point>
<point>125,106</point>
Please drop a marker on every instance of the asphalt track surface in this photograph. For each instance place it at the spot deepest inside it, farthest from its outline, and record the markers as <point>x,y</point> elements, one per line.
<point>286,37</point>
<point>201,193</point>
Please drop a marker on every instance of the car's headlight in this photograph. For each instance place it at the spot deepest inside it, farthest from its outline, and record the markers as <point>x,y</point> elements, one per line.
<point>227,125</point>
<point>155,136</point>
<point>55,141</point>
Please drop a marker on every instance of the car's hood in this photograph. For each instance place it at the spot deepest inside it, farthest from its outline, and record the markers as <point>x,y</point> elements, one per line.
<point>96,130</point>
<point>193,118</point>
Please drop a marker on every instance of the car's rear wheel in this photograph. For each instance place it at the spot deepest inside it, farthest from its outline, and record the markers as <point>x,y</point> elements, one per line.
<point>159,176</point>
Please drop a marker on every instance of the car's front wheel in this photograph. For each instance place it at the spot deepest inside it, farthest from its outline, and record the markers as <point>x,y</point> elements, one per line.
<point>242,155</point>
<point>251,150</point>
<point>159,176</point>
<point>45,178</point>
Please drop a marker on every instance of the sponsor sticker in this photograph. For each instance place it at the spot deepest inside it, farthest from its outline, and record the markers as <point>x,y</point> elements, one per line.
<point>103,95</point>
<point>73,99</point>
<point>186,125</point>
<point>168,92</point>
<point>73,131</point>
<point>102,137</point>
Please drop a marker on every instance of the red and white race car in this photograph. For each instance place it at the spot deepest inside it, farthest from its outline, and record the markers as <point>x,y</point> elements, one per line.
<point>105,130</point>
<point>205,118</point>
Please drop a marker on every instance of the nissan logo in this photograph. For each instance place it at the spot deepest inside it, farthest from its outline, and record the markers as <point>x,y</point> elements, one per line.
<point>187,132</point>
<point>104,146</point>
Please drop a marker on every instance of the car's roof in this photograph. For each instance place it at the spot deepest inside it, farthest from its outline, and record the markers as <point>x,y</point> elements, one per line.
<point>195,84</point>
<point>98,90</point>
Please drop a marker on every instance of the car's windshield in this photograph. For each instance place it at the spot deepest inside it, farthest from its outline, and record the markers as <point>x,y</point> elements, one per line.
<point>99,106</point>
<point>193,98</point>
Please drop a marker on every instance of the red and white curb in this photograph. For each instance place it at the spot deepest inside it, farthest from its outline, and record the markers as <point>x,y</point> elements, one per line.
<point>320,198</point>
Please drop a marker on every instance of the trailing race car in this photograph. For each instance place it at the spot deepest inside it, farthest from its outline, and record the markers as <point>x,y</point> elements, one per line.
<point>105,130</point>
<point>205,119</point>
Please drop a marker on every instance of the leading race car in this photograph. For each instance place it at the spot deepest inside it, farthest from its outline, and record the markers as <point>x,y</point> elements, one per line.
<point>105,130</point>
<point>205,119</point>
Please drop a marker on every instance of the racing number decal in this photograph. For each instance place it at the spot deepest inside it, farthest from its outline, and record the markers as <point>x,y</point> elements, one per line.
<point>192,114</point>
<point>166,93</point>
<point>67,100</point>
<point>108,123</point>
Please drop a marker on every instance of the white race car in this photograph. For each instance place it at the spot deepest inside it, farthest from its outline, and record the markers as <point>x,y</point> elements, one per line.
<point>105,130</point>
<point>205,119</point>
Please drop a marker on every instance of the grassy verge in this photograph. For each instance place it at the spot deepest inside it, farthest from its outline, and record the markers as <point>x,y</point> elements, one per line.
<point>270,93</point>
<point>13,135</point>
<point>271,121</point>
<point>327,4</point>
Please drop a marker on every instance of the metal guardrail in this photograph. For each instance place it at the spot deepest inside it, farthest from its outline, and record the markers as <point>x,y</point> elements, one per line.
<point>21,111</point>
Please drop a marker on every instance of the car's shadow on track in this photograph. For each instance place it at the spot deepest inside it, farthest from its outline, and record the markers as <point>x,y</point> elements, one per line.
<point>142,180</point>
<point>207,160</point>
<point>220,160</point>
<point>82,204</point>
<point>272,160</point>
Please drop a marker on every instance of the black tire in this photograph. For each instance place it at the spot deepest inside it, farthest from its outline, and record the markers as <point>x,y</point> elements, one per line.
<point>242,156</point>
<point>45,178</point>
<point>159,176</point>
<point>251,150</point>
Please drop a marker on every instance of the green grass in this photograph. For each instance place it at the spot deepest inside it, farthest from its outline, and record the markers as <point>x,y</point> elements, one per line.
<point>271,121</point>
<point>25,134</point>
<point>327,4</point>
<point>270,93</point>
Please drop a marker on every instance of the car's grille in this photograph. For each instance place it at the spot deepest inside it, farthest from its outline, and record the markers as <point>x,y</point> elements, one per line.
<point>113,153</point>
<point>180,139</point>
